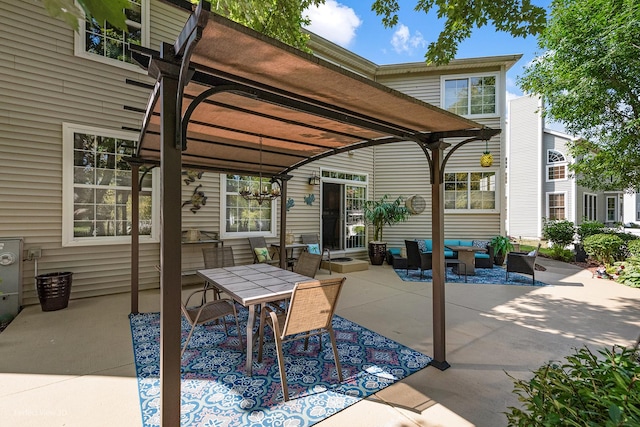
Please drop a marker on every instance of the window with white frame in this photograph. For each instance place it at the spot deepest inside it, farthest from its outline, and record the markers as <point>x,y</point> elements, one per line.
<point>556,166</point>
<point>97,188</point>
<point>611,209</point>
<point>472,191</point>
<point>556,207</point>
<point>589,207</point>
<point>102,42</point>
<point>470,95</point>
<point>241,217</point>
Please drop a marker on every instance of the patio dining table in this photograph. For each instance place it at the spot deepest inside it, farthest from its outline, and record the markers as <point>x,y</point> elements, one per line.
<point>252,285</point>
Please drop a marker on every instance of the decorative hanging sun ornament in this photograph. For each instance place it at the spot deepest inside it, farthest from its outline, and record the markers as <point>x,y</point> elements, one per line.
<point>263,192</point>
<point>486,160</point>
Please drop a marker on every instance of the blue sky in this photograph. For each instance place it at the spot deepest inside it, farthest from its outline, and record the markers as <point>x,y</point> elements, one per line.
<point>352,25</point>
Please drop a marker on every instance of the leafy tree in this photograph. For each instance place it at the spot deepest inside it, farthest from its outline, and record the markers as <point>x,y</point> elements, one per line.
<point>282,19</point>
<point>517,17</point>
<point>589,78</point>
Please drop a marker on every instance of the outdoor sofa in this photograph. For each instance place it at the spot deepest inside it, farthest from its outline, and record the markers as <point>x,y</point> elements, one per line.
<point>482,259</point>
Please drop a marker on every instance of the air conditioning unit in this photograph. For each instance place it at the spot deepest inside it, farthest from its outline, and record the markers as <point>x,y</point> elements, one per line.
<point>11,277</point>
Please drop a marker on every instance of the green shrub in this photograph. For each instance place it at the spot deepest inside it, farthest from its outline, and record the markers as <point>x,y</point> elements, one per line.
<point>583,391</point>
<point>603,247</point>
<point>634,248</point>
<point>589,228</point>
<point>630,273</point>
<point>561,254</point>
<point>560,232</point>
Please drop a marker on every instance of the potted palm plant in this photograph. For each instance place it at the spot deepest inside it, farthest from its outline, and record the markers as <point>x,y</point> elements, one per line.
<point>380,213</point>
<point>501,245</point>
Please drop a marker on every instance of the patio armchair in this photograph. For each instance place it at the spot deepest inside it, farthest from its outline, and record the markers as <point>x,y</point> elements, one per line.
<point>312,239</point>
<point>416,259</point>
<point>522,262</point>
<point>310,313</point>
<point>207,312</point>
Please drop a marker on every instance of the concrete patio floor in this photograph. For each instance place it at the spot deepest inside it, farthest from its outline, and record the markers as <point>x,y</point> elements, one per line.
<point>74,367</point>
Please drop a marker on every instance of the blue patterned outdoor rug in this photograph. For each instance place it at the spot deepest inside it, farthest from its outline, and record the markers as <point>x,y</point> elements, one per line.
<point>483,276</point>
<point>217,392</point>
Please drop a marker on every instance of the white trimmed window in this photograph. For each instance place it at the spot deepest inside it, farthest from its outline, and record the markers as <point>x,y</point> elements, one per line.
<point>556,206</point>
<point>470,191</point>
<point>102,42</point>
<point>556,166</point>
<point>611,209</point>
<point>474,95</point>
<point>97,188</point>
<point>240,217</point>
<point>589,209</point>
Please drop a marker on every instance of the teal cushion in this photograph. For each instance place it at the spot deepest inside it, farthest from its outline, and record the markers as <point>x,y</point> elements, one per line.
<point>482,255</point>
<point>466,242</point>
<point>428,245</point>
<point>394,251</point>
<point>449,254</point>
<point>313,248</point>
<point>452,242</point>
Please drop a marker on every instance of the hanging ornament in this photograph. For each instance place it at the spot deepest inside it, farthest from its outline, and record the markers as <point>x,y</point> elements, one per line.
<point>486,160</point>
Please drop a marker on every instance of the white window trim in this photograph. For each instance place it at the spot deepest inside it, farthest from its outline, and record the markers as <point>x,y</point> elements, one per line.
<point>68,240</point>
<point>548,213</point>
<point>551,150</point>
<point>469,75</point>
<point>615,208</point>
<point>595,205</point>
<point>477,211</point>
<point>224,234</point>
<point>553,165</point>
<point>79,48</point>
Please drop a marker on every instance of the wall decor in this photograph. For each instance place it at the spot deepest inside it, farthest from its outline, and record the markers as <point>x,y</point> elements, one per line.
<point>197,200</point>
<point>309,199</point>
<point>191,175</point>
<point>290,203</point>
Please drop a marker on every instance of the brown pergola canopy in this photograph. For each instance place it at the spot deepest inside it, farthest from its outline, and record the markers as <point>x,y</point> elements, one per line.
<point>224,91</point>
<point>241,88</point>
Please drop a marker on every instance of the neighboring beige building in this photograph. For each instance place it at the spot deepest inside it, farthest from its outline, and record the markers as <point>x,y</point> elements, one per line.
<point>70,110</point>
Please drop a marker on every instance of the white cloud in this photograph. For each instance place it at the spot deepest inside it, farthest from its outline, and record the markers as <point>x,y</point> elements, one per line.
<point>404,42</point>
<point>333,21</point>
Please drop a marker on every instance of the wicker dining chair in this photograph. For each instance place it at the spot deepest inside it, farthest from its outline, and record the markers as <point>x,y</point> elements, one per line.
<point>310,313</point>
<point>308,264</point>
<point>311,239</point>
<point>260,243</point>
<point>206,312</point>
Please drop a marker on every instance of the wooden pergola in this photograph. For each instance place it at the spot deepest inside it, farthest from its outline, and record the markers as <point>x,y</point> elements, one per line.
<point>222,92</point>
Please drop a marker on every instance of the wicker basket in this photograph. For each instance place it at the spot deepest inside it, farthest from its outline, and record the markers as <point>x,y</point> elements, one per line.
<point>54,290</point>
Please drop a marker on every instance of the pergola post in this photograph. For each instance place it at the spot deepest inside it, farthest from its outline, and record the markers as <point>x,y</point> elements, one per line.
<point>170,243</point>
<point>135,234</point>
<point>439,269</point>
<point>283,222</point>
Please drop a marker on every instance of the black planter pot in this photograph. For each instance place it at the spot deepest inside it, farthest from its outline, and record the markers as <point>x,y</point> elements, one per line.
<point>377,252</point>
<point>498,260</point>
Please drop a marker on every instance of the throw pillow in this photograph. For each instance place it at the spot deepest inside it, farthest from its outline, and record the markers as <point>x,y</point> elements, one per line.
<point>422,245</point>
<point>313,248</point>
<point>481,243</point>
<point>262,254</point>
<point>532,253</point>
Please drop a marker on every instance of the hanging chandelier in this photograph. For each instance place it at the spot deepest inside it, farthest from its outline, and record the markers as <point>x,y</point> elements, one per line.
<point>263,192</point>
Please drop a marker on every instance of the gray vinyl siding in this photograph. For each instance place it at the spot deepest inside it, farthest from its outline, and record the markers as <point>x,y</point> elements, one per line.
<point>42,85</point>
<point>525,200</point>
<point>566,186</point>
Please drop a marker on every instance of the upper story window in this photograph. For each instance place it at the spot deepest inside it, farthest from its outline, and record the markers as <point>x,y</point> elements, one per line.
<point>470,95</point>
<point>556,166</point>
<point>243,218</point>
<point>97,188</point>
<point>102,42</point>
<point>473,191</point>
